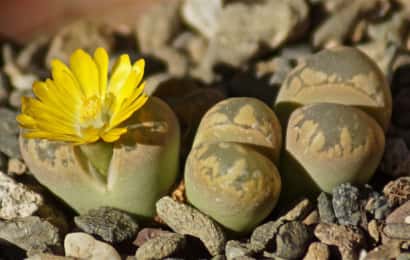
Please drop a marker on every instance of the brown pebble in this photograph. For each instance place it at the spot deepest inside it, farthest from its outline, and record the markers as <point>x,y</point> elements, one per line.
<point>312,218</point>
<point>400,215</point>
<point>317,251</point>
<point>398,191</point>
<point>298,212</point>
<point>373,230</point>
<point>399,231</point>
<point>149,233</point>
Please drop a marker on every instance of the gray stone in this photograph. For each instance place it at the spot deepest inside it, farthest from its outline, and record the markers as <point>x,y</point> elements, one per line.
<point>347,239</point>
<point>317,251</point>
<point>186,220</point>
<point>147,234</point>
<point>9,130</point>
<point>379,206</point>
<point>398,191</point>
<point>292,240</point>
<point>325,207</point>
<point>346,204</point>
<point>17,200</point>
<point>31,234</point>
<point>235,249</point>
<point>110,224</point>
<point>399,231</point>
<point>161,247</point>
<point>84,246</point>
<point>264,235</point>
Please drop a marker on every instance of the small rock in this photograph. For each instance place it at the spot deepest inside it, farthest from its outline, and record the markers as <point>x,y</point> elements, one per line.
<point>292,240</point>
<point>325,207</point>
<point>386,251</point>
<point>16,166</point>
<point>202,15</point>
<point>312,218</point>
<point>300,211</point>
<point>49,257</point>
<point>16,200</point>
<point>347,239</point>
<point>161,247</point>
<point>400,215</point>
<point>149,233</point>
<point>379,206</point>
<point>85,246</point>
<point>31,234</point>
<point>317,251</point>
<point>399,231</point>
<point>110,224</point>
<point>235,249</point>
<point>186,220</point>
<point>398,191</point>
<point>346,204</point>
<point>264,235</point>
<point>373,230</point>
<point>9,130</point>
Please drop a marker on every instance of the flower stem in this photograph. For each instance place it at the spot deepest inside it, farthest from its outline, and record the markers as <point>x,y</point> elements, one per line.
<point>99,155</point>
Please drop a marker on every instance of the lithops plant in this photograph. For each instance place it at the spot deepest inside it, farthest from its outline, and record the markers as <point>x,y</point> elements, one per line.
<point>103,144</point>
<point>341,75</point>
<point>230,173</point>
<point>327,145</point>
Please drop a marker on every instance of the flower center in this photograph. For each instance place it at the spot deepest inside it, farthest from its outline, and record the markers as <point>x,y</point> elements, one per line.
<point>91,109</point>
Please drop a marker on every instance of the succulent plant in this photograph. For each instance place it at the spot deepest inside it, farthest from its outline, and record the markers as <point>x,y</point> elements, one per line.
<point>327,145</point>
<point>131,174</point>
<point>230,173</point>
<point>341,75</point>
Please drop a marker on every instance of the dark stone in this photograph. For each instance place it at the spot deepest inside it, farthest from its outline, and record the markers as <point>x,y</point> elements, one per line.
<point>346,204</point>
<point>324,204</point>
<point>292,240</point>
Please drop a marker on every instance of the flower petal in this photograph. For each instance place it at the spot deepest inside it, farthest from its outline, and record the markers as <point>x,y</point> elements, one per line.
<point>113,135</point>
<point>86,72</point>
<point>119,76</point>
<point>102,60</point>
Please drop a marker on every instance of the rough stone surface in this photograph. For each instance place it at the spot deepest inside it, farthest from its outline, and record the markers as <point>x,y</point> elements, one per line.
<point>186,220</point>
<point>400,215</point>
<point>9,132</point>
<point>264,235</point>
<point>110,224</point>
<point>292,240</point>
<point>147,234</point>
<point>346,204</point>
<point>31,234</point>
<point>84,246</point>
<point>398,191</point>
<point>16,200</point>
<point>386,251</point>
<point>325,207</point>
<point>298,212</point>
<point>317,251</point>
<point>161,247</point>
<point>379,206</point>
<point>399,231</point>
<point>235,249</point>
<point>347,239</point>
<point>49,257</point>
<point>312,218</point>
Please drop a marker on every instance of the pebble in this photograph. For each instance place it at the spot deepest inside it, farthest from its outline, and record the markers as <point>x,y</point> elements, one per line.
<point>398,191</point>
<point>49,257</point>
<point>400,215</point>
<point>317,251</point>
<point>264,235</point>
<point>84,246</point>
<point>31,234</point>
<point>161,247</point>
<point>17,200</point>
<point>347,239</point>
<point>298,212</point>
<point>186,220</point>
<point>379,206</point>
<point>110,224</point>
<point>292,240</point>
<point>149,233</point>
<point>325,207</point>
<point>346,204</point>
<point>9,130</point>
<point>386,251</point>
<point>399,231</point>
<point>16,166</point>
<point>312,218</point>
<point>235,249</point>
<point>373,230</point>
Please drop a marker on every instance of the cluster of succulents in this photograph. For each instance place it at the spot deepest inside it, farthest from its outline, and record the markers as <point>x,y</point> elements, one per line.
<point>336,106</point>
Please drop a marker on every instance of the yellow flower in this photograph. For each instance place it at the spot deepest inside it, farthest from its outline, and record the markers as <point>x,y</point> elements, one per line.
<point>79,104</point>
